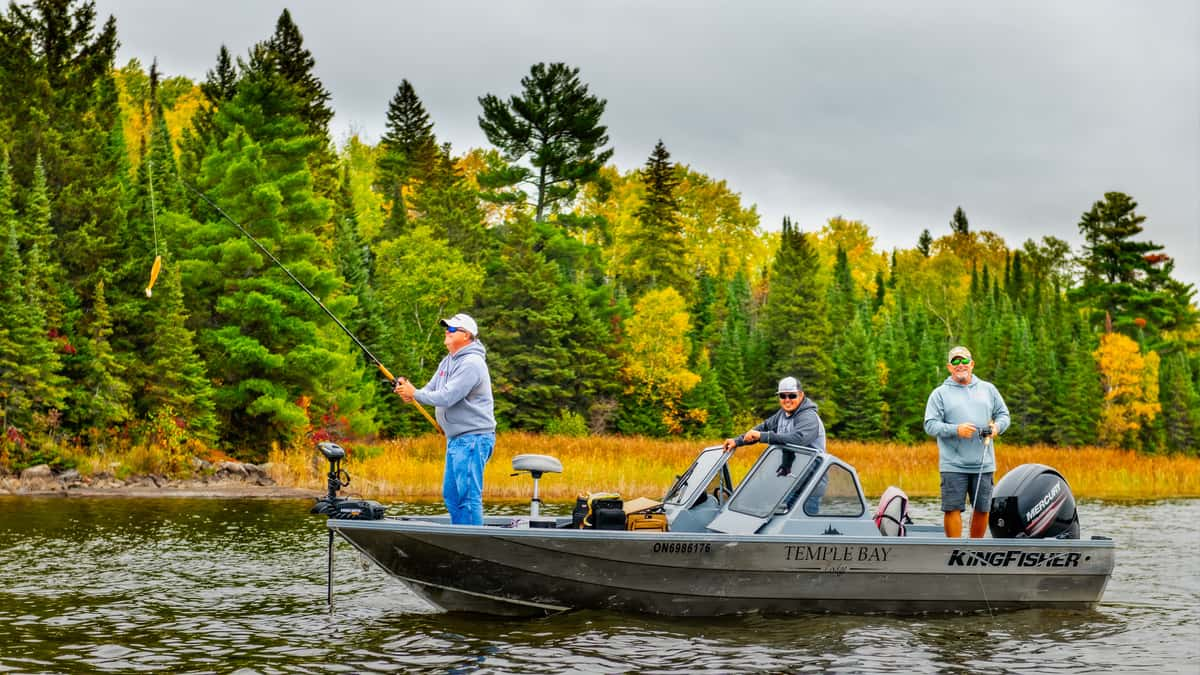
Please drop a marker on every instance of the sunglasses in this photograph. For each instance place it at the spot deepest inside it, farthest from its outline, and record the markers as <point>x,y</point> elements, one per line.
<point>959,361</point>
<point>452,329</point>
<point>789,396</point>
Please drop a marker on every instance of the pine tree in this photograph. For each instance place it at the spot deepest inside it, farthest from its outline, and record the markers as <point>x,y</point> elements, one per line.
<point>707,412</point>
<point>102,397</point>
<point>533,369</point>
<point>1079,412</point>
<point>220,85</point>
<point>46,277</point>
<point>958,222</point>
<point>1180,405</point>
<point>797,330</point>
<point>409,153</point>
<point>293,61</point>
<point>733,354</point>
<point>181,383</point>
<point>856,388</point>
<point>925,242</point>
<point>30,367</point>
<point>62,106</point>
<point>1126,279</point>
<point>555,123</point>
<point>287,56</point>
<point>353,259</point>
<point>657,251</point>
<point>274,347</point>
<point>843,300</point>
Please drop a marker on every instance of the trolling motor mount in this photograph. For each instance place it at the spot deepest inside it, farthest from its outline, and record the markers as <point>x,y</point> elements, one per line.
<point>337,507</point>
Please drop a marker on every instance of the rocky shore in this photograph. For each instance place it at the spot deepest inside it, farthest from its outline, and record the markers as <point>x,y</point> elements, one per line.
<point>223,479</point>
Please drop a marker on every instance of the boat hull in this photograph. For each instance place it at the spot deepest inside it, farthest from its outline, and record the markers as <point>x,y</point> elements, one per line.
<point>522,572</point>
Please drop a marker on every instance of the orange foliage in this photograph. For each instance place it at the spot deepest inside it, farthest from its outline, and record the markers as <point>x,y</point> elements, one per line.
<point>641,467</point>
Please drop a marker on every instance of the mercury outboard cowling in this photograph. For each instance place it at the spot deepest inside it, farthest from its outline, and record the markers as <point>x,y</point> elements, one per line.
<point>1033,500</point>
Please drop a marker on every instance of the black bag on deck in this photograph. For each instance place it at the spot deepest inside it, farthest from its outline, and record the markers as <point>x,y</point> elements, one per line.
<point>599,511</point>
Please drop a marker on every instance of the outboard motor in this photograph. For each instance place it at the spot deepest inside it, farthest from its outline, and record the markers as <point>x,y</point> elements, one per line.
<point>1033,500</point>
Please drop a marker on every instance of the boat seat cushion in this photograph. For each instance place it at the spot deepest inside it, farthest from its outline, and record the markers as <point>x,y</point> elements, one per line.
<point>539,463</point>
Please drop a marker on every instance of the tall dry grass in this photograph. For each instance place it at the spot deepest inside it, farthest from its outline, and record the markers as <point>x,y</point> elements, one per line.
<point>411,469</point>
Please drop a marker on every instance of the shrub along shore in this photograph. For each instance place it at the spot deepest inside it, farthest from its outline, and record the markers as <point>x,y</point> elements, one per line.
<point>411,468</point>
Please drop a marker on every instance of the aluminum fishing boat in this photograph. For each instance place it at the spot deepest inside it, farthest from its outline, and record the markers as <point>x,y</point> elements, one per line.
<point>796,535</point>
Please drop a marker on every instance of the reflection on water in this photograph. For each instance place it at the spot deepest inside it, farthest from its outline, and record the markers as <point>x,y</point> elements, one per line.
<point>109,585</point>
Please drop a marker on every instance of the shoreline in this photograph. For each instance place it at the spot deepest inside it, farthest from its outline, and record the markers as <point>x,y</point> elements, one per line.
<point>226,480</point>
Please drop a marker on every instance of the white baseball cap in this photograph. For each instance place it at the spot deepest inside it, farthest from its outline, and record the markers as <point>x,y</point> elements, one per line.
<point>463,322</point>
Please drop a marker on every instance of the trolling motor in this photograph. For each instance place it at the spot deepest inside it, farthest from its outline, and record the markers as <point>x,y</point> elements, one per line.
<point>338,507</point>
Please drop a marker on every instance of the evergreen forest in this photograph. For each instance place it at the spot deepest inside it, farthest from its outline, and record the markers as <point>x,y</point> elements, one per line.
<point>646,300</point>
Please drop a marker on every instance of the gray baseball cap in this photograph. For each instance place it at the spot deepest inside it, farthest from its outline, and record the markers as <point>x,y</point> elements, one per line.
<point>790,384</point>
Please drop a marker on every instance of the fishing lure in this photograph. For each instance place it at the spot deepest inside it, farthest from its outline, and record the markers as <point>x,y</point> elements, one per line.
<point>157,266</point>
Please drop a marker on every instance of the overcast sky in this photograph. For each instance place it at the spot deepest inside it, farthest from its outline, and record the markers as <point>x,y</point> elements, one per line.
<point>886,112</point>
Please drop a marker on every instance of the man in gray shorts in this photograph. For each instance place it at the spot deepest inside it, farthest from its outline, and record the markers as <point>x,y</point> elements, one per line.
<point>964,414</point>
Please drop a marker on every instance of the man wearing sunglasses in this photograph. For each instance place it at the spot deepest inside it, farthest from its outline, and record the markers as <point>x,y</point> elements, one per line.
<point>964,413</point>
<point>461,391</point>
<point>796,422</point>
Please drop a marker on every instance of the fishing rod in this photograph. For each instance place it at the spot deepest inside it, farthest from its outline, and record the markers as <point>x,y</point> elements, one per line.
<point>370,357</point>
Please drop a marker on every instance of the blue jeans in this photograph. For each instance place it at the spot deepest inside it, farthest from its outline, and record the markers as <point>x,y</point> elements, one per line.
<point>462,484</point>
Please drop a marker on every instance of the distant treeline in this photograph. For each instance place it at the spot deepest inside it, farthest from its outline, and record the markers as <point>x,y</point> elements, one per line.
<point>646,301</point>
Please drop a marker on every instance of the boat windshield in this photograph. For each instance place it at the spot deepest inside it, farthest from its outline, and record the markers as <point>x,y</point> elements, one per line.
<point>696,476</point>
<point>772,479</point>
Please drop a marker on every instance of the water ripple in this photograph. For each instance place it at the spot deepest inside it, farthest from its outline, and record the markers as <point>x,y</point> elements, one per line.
<point>115,585</point>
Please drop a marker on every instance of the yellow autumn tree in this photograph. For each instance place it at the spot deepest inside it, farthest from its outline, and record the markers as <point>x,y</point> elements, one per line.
<point>853,237</point>
<point>722,236</point>
<point>1130,389</point>
<point>656,355</point>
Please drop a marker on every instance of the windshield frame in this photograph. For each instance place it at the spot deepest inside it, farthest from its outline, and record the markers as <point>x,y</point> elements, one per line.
<point>762,477</point>
<point>683,490</point>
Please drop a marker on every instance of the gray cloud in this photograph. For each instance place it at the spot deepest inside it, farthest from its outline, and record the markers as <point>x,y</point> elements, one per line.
<point>892,113</point>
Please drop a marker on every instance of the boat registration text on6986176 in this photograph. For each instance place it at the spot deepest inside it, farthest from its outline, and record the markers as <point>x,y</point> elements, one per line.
<point>682,547</point>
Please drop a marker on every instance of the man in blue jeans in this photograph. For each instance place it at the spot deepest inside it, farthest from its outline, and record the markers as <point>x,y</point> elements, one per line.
<point>461,392</point>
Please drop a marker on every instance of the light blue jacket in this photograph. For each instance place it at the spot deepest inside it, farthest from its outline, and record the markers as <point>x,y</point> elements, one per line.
<point>950,405</point>
<point>461,390</point>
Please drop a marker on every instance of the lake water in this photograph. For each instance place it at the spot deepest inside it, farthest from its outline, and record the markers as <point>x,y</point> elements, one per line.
<point>194,585</point>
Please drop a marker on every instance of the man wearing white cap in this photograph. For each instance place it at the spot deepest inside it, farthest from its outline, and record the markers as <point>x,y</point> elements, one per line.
<point>795,423</point>
<point>963,414</point>
<point>461,391</point>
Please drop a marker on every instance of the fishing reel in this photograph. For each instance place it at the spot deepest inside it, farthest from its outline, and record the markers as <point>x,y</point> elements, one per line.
<point>331,504</point>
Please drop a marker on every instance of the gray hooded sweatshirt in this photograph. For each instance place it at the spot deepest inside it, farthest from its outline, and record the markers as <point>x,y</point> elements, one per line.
<point>461,391</point>
<point>803,427</point>
<point>952,404</point>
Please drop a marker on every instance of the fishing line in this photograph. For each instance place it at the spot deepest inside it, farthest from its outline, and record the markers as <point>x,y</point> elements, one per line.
<point>157,266</point>
<point>987,444</point>
<point>367,352</point>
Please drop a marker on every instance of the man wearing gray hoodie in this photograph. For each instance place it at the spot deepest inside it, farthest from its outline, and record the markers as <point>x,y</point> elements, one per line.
<point>461,391</point>
<point>964,414</point>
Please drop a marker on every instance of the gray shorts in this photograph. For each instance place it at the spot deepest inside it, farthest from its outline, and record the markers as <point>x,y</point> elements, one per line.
<point>957,488</point>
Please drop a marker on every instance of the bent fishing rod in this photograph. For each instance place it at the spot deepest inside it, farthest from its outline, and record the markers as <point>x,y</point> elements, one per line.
<point>370,357</point>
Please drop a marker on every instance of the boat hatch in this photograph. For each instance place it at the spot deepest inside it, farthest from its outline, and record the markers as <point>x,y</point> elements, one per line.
<point>773,484</point>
